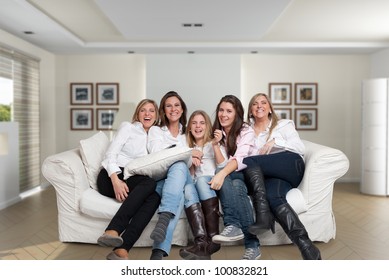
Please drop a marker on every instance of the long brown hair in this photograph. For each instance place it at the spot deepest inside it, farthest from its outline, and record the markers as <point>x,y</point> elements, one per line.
<point>208,134</point>
<point>272,115</point>
<point>237,125</point>
<point>164,121</point>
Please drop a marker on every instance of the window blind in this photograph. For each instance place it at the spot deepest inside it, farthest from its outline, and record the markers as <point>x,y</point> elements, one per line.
<point>25,75</point>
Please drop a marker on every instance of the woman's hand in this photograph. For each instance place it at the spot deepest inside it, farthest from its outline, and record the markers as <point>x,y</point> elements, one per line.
<point>265,150</point>
<point>217,136</point>
<point>217,181</point>
<point>119,187</point>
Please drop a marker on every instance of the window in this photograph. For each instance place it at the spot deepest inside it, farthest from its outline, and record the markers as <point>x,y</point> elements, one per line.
<point>20,73</point>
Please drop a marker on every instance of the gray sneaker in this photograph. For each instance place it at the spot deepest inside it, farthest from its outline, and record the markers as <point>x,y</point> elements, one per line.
<point>251,254</point>
<point>229,234</point>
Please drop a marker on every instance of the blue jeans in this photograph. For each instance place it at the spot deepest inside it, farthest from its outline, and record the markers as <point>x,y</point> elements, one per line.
<point>171,191</point>
<point>282,171</point>
<point>237,210</point>
<point>199,191</point>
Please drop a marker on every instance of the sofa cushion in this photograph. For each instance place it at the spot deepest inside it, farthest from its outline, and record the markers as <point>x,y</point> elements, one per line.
<point>155,165</point>
<point>92,152</point>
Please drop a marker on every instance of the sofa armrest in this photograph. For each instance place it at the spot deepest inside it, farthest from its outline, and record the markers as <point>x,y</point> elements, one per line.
<point>323,166</point>
<point>66,172</point>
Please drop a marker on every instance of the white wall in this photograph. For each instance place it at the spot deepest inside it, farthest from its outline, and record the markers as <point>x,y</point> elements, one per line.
<point>210,77</point>
<point>339,95</point>
<point>201,80</point>
<point>380,64</point>
<point>127,70</point>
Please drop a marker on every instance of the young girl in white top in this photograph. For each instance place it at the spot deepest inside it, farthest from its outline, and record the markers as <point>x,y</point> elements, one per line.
<point>201,203</point>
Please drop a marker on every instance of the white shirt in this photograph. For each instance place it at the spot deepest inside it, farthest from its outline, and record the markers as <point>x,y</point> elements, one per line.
<point>208,162</point>
<point>160,138</point>
<point>286,138</point>
<point>128,143</point>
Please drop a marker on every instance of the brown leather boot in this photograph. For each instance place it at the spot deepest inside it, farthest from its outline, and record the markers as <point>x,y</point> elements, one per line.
<point>199,251</point>
<point>211,215</point>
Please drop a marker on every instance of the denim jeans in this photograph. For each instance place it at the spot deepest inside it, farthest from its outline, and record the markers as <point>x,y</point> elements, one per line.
<point>287,166</point>
<point>171,191</point>
<point>198,191</point>
<point>282,171</point>
<point>236,207</point>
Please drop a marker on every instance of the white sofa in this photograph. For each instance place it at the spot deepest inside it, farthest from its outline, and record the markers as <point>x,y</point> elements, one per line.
<point>83,213</point>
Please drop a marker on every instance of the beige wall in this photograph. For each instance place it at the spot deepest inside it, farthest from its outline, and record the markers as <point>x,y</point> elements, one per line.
<point>339,90</point>
<point>339,78</point>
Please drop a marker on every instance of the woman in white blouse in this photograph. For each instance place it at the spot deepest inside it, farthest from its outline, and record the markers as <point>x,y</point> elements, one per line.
<point>137,194</point>
<point>277,168</point>
<point>170,132</point>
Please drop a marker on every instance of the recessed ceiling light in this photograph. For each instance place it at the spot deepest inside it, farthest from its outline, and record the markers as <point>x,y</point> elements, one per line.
<point>131,52</point>
<point>198,25</point>
<point>28,32</point>
<point>187,25</point>
<point>191,52</point>
<point>254,52</point>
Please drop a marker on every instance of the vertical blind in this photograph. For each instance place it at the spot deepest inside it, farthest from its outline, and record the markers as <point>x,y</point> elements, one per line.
<point>24,71</point>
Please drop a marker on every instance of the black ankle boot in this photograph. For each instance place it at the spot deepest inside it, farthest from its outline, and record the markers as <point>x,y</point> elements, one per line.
<point>296,231</point>
<point>264,219</point>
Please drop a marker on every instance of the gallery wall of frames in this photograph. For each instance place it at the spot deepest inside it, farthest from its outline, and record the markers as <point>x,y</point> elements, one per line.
<point>297,102</point>
<point>93,106</point>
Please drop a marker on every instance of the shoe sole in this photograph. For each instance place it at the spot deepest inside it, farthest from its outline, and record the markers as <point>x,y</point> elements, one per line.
<point>220,239</point>
<point>189,256</point>
<point>256,258</point>
<point>109,241</point>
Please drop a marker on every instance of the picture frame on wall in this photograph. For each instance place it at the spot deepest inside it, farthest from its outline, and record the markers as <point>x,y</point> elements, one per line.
<point>306,118</point>
<point>81,119</point>
<point>283,113</point>
<point>306,93</point>
<point>280,93</point>
<point>105,118</point>
<point>107,93</point>
<point>81,93</point>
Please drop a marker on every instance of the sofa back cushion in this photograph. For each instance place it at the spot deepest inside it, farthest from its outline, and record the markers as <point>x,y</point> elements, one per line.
<point>92,152</point>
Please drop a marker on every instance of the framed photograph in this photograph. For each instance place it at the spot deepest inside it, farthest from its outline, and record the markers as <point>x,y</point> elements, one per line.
<point>306,118</point>
<point>283,113</point>
<point>306,93</point>
<point>105,118</point>
<point>81,119</point>
<point>107,93</point>
<point>280,93</point>
<point>81,93</point>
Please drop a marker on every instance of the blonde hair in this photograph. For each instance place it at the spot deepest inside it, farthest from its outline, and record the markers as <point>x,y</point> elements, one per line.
<point>272,116</point>
<point>208,126</point>
<point>143,102</point>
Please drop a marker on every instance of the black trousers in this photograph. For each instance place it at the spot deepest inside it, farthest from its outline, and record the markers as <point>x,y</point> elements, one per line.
<point>136,210</point>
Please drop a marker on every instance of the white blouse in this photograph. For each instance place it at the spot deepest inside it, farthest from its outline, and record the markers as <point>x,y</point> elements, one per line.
<point>285,135</point>
<point>160,138</point>
<point>128,143</point>
<point>208,162</point>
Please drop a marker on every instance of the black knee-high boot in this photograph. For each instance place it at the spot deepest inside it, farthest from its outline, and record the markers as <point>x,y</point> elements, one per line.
<point>294,228</point>
<point>255,183</point>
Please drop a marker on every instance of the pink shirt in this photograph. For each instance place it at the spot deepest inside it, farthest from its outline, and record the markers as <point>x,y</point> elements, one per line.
<point>245,146</point>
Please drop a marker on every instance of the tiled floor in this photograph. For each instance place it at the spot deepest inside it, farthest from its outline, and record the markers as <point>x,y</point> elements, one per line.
<point>28,231</point>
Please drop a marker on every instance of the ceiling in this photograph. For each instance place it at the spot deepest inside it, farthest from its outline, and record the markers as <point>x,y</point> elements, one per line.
<point>199,26</point>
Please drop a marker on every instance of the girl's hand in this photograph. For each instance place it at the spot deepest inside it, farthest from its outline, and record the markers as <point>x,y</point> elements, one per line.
<point>265,150</point>
<point>120,188</point>
<point>196,161</point>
